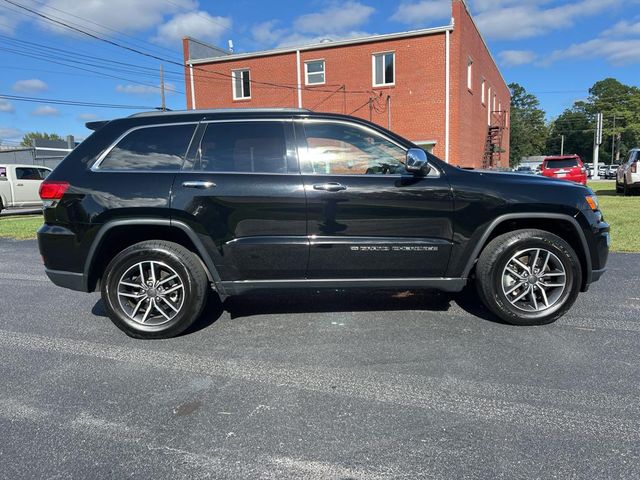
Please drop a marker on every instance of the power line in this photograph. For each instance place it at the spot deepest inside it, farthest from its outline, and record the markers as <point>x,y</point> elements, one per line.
<point>76,103</point>
<point>151,55</point>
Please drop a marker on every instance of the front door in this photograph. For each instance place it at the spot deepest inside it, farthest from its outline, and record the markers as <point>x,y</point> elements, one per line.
<point>367,216</point>
<point>26,186</point>
<point>244,197</point>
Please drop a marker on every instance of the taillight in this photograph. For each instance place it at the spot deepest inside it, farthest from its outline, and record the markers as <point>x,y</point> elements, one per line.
<point>634,167</point>
<point>52,190</point>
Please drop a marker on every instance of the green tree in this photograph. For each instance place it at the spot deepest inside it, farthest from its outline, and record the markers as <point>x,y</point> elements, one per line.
<point>29,137</point>
<point>527,124</point>
<point>577,126</point>
<point>620,107</point>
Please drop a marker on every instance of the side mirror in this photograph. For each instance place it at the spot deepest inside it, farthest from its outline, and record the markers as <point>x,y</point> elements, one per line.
<point>417,161</point>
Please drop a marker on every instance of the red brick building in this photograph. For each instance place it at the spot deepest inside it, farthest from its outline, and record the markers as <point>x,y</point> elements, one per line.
<point>438,87</point>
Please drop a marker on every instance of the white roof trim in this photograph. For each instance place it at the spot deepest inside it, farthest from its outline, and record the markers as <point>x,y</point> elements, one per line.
<point>321,46</point>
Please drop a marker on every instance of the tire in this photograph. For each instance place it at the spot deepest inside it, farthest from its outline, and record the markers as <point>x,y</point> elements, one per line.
<point>494,282</point>
<point>165,307</point>
<point>625,189</point>
<point>619,188</point>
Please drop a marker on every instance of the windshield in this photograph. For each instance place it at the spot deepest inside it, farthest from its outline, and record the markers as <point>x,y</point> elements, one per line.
<point>561,163</point>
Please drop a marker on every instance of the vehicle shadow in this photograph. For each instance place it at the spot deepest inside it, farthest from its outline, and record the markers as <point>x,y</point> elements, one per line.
<point>274,302</point>
<point>608,193</point>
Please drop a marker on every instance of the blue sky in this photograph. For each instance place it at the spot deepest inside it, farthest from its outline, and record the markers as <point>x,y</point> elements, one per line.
<point>556,49</point>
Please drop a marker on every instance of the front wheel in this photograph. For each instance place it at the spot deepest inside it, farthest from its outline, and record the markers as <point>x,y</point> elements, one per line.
<point>154,289</point>
<point>528,277</point>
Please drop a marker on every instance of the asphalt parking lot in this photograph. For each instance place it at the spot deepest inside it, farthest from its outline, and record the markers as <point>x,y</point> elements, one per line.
<point>335,384</point>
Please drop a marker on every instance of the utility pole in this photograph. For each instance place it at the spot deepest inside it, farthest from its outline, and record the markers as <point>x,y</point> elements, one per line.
<point>562,146</point>
<point>613,139</point>
<point>163,104</point>
<point>597,141</point>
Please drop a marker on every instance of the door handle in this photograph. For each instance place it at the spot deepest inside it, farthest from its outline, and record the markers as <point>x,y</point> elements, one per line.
<point>329,187</point>
<point>19,184</point>
<point>198,184</point>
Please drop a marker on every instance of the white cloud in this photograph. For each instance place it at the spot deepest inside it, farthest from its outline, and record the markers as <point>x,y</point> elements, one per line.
<point>333,23</point>
<point>513,58</point>
<point>6,106</point>
<point>45,111</point>
<point>616,52</point>
<point>10,133</point>
<point>334,19</point>
<point>266,33</point>
<point>130,89</point>
<point>623,29</point>
<point>122,15</point>
<point>198,24</point>
<point>528,19</point>
<point>423,11</point>
<point>30,85</point>
<point>87,117</point>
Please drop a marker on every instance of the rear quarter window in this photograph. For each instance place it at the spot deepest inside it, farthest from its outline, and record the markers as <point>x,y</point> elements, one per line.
<point>154,148</point>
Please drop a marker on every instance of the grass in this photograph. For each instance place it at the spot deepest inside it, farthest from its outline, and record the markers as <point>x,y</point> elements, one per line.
<point>20,227</point>
<point>622,213</point>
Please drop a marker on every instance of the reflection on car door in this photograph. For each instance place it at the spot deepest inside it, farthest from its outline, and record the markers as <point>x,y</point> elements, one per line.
<point>246,191</point>
<point>367,216</point>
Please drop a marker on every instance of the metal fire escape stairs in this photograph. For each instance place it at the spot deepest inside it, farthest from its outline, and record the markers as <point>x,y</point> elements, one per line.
<point>493,146</point>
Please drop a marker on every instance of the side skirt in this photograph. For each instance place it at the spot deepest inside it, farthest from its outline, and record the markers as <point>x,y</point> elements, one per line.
<point>443,284</point>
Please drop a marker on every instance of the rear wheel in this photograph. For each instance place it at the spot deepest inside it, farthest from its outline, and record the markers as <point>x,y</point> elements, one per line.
<point>626,189</point>
<point>154,289</point>
<point>619,188</point>
<point>528,277</point>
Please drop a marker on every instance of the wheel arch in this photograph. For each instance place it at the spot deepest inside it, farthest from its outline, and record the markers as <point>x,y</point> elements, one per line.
<point>563,225</point>
<point>116,235</point>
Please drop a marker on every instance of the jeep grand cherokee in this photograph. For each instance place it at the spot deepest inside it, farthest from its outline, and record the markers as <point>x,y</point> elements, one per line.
<point>155,208</point>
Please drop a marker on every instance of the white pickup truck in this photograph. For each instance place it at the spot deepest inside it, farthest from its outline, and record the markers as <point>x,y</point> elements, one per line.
<point>19,185</point>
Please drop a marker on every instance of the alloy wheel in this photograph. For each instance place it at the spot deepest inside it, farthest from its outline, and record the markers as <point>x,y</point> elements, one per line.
<point>151,293</point>
<point>534,280</point>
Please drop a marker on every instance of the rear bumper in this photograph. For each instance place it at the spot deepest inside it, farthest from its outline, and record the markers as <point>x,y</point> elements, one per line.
<point>70,280</point>
<point>63,257</point>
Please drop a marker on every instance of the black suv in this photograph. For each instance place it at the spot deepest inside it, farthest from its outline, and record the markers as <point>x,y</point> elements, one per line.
<point>155,208</point>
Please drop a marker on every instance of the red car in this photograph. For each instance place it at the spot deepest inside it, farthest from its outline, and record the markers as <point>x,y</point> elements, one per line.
<point>567,167</point>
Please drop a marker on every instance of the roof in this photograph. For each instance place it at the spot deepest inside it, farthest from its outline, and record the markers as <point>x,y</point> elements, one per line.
<point>323,45</point>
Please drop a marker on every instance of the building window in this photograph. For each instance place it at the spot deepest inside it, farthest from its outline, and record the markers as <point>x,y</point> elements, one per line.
<point>241,84</point>
<point>484,87</point>
<point>314,72</point>
<point>470,74</point>
<point>489,106</point>
<point>384,69</point>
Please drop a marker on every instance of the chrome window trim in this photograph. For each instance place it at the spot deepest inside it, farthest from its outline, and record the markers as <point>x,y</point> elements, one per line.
<point>436,171</point>
<point>96,165</point>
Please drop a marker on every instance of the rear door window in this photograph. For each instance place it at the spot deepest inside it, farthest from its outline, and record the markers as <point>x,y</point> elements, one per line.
<point>562,163</point>
<point>155,148</point>
<point>26,173</point>
<point>248,147</point>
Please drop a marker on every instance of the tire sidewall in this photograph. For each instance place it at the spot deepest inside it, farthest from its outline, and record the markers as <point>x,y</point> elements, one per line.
<point>120,264</point>
<point>571,265</point>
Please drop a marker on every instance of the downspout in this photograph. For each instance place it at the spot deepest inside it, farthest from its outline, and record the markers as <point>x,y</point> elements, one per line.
<point>193,90</point>
<point>299,81</point>
<point>446,96</point>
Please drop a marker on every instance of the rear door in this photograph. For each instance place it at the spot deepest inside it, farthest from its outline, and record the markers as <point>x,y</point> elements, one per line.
<point>243,194</point>
<point>367,216</point>
<point>26,186</point>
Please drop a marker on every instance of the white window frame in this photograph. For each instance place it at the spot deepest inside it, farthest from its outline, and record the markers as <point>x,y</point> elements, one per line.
<point>234,74</point>
<point>470,74</point>
<point>373,68</point>
<point>484,92</point>
<point>306,71</point>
